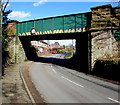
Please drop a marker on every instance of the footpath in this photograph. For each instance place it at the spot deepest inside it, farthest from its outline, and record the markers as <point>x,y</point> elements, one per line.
<point>13,89</point>
<point>16,87</point>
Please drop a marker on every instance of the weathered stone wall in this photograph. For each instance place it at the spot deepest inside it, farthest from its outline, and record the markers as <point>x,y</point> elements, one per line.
<point>105,17</point>
<point>16,51</point>
<point>104,46</point>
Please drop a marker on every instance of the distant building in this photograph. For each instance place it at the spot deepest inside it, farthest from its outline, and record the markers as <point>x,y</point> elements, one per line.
<point>55,47</point>
<point>41,47</point>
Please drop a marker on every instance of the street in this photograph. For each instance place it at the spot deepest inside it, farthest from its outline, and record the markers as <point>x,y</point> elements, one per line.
<point>57,84</point>
<point>59,56</point>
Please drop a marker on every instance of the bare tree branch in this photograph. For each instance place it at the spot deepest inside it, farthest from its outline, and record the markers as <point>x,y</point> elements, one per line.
<point>5,5</point>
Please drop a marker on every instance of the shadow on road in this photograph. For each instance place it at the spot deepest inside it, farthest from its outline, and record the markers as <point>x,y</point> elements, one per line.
<point>71,63</point>
<point>57,61</point>
<point>74,64</point>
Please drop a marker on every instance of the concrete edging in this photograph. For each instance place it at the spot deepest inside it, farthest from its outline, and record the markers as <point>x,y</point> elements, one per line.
<point>27,89</point>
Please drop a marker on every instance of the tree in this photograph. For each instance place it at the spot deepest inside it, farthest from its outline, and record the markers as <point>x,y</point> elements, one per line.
<point>5,38</point>
<point>5,21</point>
<point>57,43</point>
<point>64,46</point>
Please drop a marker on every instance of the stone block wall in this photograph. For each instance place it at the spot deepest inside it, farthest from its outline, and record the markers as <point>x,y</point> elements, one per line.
<point>105,17</point>
<point>104,46</point>
<point>16,51</point>
<point>14,48</point>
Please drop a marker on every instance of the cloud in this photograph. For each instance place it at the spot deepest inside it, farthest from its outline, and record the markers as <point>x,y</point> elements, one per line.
<point>18,14</point>
<point>39,2</point>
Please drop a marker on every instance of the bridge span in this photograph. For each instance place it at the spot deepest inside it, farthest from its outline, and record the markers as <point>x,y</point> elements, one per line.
<point>74,26</point>
<point>79,60</point>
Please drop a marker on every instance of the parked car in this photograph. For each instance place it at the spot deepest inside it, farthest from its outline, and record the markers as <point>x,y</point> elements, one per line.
<point>58,52</point>
<point>54,52</point>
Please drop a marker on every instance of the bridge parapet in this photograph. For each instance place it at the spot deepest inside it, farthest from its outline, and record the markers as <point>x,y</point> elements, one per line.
<point>53,25</point>
<point>105,17</point>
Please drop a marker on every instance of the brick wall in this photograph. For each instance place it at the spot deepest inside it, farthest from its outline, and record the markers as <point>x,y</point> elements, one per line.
<point>11,28</point>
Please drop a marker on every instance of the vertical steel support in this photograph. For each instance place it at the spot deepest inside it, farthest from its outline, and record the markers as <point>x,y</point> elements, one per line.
<point>34,23</point>
<point>63,25</point>
<point>75,23</point>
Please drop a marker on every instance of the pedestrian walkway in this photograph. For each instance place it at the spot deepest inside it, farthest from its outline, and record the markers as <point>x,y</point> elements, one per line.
<point>13,90</point>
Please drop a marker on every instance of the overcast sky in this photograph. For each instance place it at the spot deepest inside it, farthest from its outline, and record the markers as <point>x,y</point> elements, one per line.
<point>62,42</point>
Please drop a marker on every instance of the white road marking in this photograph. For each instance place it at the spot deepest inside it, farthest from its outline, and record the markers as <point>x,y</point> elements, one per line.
<point>113,100</point>
<point>53,69</point>
<point>73,82</point>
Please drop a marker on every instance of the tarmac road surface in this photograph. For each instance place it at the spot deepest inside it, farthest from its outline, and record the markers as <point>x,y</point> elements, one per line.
<point>57,85</point>
<point>59,56</point>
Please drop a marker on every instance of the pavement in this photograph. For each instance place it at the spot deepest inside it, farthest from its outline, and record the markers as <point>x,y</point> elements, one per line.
<point>13,88</point>
<point>17,88</point>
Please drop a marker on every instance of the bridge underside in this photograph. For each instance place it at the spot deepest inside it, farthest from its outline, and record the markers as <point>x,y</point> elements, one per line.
<point>81,59</point>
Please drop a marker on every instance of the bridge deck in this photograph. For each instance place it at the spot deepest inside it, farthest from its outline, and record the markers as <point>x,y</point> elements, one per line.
<point>61,24</point>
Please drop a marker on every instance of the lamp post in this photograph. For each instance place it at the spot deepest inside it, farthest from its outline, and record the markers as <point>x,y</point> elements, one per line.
<point>33,30</point>
<point>0,38</point>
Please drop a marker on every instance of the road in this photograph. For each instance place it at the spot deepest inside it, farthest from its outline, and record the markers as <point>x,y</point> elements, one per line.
<point>60,56</point>
<point>58,84</point>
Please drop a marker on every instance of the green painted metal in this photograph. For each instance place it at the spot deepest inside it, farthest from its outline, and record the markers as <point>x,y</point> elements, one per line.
<point>72,22</point>
<point>47,24</point>
<point>81,21</point>
<point>17,29</point>
<point>69,22</point>
<point>117,35</point>
<point>58,23</point>
<point>24,28</point>
<point>39,25</point>
<point>30,25</point>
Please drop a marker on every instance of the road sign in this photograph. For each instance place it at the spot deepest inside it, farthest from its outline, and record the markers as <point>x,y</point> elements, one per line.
<point>33,31</point>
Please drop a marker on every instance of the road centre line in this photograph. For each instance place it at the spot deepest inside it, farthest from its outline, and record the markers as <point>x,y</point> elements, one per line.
<point>113,100</point>
<point>82,86</point>
<point>68,79</point>
<point>72,82</point>
<point>53,69</point>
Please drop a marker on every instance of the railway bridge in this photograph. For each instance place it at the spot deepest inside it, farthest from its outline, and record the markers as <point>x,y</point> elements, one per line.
<point>74,26</point>
<point>96,33</point>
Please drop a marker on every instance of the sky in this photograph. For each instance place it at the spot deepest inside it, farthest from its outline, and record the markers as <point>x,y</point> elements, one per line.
<point>23,10</point>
